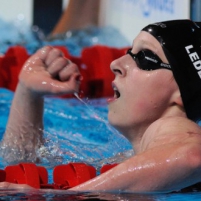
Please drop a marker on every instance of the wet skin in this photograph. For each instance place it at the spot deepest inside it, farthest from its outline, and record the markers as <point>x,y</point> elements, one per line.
<point>148,111</point>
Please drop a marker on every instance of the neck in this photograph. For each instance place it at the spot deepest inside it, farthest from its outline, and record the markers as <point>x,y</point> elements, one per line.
<point>134,135</point>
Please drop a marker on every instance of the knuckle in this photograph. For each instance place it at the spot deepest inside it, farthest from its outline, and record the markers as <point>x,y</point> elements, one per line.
<point>57,52</point>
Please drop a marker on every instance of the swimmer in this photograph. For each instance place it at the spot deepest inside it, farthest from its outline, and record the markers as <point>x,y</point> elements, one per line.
<point>156,106</point>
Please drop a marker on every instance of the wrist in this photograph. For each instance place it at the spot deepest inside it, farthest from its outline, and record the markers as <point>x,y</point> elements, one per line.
<point>23,90</point>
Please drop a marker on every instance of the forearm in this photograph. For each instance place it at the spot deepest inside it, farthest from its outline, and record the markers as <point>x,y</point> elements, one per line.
<point>25,125</point>
<point>156,170</point>
<point>38,77</point>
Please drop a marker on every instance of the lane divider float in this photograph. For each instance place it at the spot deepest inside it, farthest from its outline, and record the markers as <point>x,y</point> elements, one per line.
<point>64,176</point>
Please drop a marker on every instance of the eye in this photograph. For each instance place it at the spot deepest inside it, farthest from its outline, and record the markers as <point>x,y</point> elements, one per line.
<point>147,60</point>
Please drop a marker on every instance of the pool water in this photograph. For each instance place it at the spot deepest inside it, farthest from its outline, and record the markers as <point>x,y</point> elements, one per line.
<point>76,131</point>
<point>17,32</point>
<point>13,194</point>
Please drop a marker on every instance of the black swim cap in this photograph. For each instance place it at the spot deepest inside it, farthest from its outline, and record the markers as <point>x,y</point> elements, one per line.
<point>181,41</point>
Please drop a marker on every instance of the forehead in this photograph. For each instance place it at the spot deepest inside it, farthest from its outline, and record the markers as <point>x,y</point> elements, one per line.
<point>144,40</point>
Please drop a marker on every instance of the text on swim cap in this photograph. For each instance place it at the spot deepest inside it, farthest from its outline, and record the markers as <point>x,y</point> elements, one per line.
<point>194,58</point>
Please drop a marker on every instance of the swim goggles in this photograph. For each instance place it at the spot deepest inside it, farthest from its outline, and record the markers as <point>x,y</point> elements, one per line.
<point>147,60</point>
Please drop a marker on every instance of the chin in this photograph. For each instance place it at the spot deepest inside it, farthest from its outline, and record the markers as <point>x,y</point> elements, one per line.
<point>114,123</point>
<point>111,118</point>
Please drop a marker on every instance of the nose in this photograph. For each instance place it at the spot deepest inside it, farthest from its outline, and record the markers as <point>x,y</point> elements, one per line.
<point>118,67</point>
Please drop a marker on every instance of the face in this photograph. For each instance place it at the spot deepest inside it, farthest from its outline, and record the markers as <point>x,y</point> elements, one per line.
<point>141,96</point>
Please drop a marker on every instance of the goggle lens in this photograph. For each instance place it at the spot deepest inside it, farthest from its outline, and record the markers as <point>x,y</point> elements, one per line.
<point>147,60</point>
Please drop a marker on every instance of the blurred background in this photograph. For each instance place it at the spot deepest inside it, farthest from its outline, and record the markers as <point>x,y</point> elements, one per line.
<point>79,28</point>
<point>129,16</point>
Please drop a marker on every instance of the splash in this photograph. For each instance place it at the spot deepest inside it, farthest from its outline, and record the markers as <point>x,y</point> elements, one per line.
<point>96,116</point>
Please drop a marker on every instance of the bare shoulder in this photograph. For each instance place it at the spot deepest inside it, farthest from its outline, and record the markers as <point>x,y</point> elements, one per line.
<point>176,124</point>
<point>172,130</point>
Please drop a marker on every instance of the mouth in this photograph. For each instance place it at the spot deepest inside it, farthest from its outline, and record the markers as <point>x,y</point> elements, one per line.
<point>116,92</point>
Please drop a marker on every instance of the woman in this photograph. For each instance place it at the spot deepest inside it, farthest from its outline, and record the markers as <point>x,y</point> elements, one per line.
<point>155,104</point>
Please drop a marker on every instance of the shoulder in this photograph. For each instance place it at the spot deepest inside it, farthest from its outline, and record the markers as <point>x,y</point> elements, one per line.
<point>174,124</point>
<point>171,130</point>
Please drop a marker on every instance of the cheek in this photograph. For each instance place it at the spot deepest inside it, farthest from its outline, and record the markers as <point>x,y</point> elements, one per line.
<point>149,95</point>
<point>157,98</point>
<point>137,92</point>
